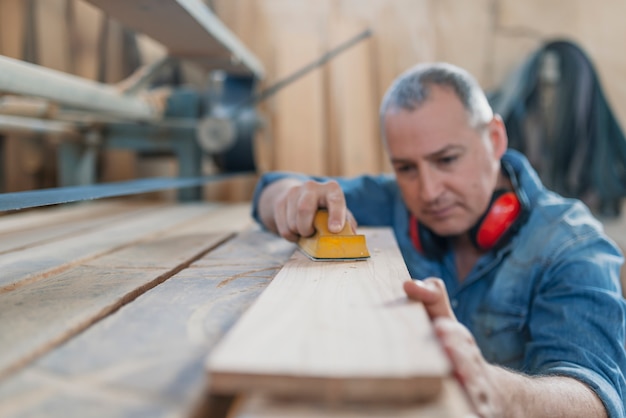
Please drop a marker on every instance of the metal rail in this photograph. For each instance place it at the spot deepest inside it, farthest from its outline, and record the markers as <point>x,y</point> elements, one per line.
<point>59,195</point>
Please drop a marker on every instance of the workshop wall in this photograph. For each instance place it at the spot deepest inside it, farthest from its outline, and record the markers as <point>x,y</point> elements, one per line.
<point>327,122</point>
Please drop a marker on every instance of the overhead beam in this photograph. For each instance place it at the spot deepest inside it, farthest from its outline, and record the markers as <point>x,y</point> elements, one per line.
<point>188,29</point>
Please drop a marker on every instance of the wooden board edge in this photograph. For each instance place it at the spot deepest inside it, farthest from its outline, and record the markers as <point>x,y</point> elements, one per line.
<point>451,403</point>
<point>329,390</point>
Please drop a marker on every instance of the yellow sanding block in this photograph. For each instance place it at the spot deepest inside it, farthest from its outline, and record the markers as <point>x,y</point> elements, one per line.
<point>328,246</point>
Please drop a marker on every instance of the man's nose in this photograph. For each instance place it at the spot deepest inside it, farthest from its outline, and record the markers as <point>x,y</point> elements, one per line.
<point>430,185</point>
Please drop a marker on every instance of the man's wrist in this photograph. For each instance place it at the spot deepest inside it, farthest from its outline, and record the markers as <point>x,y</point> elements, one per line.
<point>519,395</point>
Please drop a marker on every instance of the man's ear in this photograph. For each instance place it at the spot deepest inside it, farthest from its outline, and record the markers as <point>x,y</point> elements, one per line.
<point>498,136</point>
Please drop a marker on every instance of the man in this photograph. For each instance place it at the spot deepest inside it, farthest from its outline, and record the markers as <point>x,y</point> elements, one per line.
<point>535,323</point>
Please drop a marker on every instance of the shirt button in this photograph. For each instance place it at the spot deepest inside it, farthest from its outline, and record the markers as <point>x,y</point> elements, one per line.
<point>454,303</point>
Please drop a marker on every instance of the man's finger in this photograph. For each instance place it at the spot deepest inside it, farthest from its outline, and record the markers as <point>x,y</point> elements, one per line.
<point>304,209</point>
<point>281,220</point>
<point>421,291</point>
<point>334,200</point>
<point>470,367</point>
<point>432,293</point>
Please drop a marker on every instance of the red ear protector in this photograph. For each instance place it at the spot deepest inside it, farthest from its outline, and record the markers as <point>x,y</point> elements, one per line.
<point>505,214</point>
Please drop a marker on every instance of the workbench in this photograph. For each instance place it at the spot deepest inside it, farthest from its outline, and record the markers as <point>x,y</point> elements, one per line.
<point>111,308</point>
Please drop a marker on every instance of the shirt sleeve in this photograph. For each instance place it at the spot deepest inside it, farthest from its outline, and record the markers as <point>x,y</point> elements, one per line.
<point>578,321</point>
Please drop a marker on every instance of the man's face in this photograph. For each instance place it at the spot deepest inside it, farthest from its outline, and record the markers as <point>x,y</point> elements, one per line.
<point>446,169</point>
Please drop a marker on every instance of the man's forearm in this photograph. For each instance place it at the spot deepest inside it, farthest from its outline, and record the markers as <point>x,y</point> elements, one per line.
<point>547,396</point>
<point>492,390</point>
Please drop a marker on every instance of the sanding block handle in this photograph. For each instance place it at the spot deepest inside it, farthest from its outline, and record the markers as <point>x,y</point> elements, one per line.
<point>320,223</point>
<point>326,245</point>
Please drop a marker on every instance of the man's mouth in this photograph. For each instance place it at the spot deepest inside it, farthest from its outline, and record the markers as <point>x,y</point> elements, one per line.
<point>439,213</point>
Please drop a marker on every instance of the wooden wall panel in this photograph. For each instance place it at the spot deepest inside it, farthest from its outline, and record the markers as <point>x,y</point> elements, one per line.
<point>549,18</point>
<point>300,137</point>
<point>86,28</point>
<point>490,38</point>
<point>51,34</point>
<point>602,31</point>
<point>12,16</point>
<point>316,122</point>
<point>464,34</point>
<point>402,37</point>
<point>353,137</point>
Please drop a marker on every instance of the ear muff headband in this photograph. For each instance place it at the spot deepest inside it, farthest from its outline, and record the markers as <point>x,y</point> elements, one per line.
<point>497,221</point>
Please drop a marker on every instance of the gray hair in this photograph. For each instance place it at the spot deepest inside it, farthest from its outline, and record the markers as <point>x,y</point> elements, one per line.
<point>412,88</point>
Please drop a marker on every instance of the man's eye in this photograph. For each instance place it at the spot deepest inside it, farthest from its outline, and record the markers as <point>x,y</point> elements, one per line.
<point>448,160</point>
<point>404,168</point>
<point>406,171</point>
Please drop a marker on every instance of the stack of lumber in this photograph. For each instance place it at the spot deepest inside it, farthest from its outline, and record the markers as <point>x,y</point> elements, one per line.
<point>109,309</point>
<point>116,309</point>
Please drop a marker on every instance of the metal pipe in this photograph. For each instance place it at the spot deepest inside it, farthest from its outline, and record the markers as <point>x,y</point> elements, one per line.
<point>26,106</point>
<point>27,79</point>
<point>23,125</point>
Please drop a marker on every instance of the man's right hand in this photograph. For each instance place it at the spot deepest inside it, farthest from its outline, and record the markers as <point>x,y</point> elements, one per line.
<point>288,207</point>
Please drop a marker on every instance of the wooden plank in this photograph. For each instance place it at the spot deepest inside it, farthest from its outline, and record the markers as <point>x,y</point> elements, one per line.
<point>451,403</point>
<point>146,359</point>
<point>169,248</point>
<point>350,334</point>
<point>23,267</point>
<point>187,28</point>
<point>51,231</point>
<point>62,214</point>
<point>39,316</point>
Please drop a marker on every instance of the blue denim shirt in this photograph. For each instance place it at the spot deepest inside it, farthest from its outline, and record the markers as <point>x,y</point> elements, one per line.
<point>547,303</point>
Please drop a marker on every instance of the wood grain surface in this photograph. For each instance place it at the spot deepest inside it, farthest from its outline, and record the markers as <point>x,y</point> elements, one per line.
<point>40,261</point>
<point>147,358</point>
<point>39,315</point>
<point>334,331</point>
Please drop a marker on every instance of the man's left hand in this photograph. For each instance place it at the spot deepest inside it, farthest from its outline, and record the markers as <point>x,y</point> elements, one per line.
<point>470,367</point>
